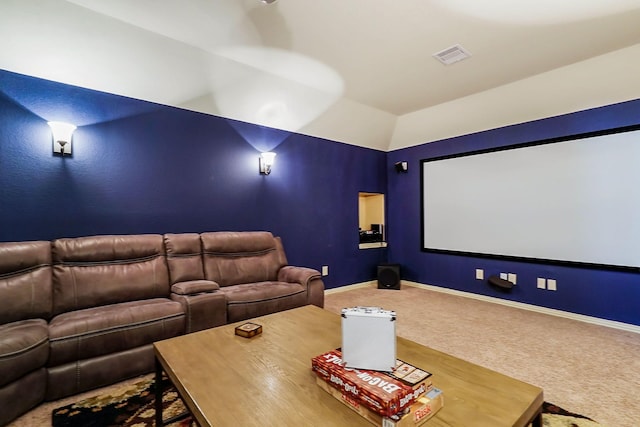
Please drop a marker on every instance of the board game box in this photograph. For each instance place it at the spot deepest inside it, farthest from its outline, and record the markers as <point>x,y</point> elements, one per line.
<point>383,393</point>
<point>420,411</point>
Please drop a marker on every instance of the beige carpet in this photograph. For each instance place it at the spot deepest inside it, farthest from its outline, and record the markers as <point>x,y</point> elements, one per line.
<point>587,369</point>
<point>584,368</point>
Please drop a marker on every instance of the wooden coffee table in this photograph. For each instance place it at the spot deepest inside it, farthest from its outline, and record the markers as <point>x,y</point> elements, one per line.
<point>227,380</point>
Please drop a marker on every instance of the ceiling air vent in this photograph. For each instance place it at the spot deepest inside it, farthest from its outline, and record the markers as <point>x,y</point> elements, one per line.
<point>452,54</point>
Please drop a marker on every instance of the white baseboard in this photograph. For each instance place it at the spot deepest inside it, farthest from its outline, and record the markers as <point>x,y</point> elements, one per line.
<point>350,287</point>
<point>550,311</point>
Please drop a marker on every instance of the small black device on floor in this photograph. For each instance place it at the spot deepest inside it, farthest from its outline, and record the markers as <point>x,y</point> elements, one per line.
<point>389,276</point>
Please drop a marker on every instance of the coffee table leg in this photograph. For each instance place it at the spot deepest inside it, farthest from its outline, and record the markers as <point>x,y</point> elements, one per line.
<point>537,420</point>
<point>158,402</point>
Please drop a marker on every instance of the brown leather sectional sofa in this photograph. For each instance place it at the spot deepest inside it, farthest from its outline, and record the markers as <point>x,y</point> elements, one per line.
<point>80,313</point>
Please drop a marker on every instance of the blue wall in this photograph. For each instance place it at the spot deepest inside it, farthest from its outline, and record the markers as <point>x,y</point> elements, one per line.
<point>140,167</point>
<point>611,295</point>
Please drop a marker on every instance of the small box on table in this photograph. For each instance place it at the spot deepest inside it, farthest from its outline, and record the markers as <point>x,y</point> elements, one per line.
<point>248,330</point>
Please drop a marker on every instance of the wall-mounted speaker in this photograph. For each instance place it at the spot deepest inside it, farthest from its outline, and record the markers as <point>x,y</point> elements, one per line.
<point>402,166</point>
<point>389,276</point>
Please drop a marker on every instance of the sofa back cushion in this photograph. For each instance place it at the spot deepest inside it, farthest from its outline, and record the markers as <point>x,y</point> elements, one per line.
<point>25,281</point>
<point>232,258</point>
<point>184,257</point>
<point>100,270</point>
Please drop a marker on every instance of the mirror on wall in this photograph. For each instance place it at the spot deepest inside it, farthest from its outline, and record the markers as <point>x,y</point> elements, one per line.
<point>371,220</point>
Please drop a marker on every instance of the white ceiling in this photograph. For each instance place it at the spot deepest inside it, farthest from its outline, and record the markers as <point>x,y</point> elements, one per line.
<point>356,71</point>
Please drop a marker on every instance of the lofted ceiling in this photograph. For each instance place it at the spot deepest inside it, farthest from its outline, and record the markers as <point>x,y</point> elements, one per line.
<point>356,71</point>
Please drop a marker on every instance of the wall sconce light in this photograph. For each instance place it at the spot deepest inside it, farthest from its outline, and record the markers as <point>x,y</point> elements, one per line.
<point>61,137</point>
<point>402,166</point>
<point>266,161</point>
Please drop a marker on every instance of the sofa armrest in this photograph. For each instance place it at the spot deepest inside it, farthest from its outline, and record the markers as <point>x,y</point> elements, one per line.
<point>203,311</point>
<point>193,287</point>
<point>309,278</point>
<point>204,307</point>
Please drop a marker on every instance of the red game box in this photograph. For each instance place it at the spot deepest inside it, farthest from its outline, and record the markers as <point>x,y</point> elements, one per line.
<point>378,391</point>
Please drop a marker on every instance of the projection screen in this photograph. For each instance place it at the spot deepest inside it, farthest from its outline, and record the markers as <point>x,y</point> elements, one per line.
<point>565,201</point>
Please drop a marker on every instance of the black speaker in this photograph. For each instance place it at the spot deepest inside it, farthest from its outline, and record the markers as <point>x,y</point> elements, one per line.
<point>389,276</point>
<point>402,166</point>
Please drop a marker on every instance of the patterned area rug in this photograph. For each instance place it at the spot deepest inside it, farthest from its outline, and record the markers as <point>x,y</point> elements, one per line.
<point>133,406</point>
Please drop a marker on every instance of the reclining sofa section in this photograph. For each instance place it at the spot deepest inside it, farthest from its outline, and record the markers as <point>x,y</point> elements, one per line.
<point>81,313</point>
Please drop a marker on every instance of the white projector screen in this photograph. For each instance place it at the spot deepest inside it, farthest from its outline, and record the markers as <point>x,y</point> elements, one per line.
<point>570,201</point>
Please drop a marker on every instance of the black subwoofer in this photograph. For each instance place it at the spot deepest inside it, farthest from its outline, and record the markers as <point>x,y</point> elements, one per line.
<point>389,276</point>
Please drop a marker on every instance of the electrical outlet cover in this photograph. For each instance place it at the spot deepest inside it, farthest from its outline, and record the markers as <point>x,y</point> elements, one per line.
<point>552,285</point>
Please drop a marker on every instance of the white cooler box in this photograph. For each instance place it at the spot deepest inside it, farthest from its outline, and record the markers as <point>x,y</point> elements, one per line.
<point>369,338</point>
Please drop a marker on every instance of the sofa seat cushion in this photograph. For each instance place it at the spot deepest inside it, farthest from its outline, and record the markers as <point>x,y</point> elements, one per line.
<point>24,347</point>
<point>257,299</point>
<point>92,332</point>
